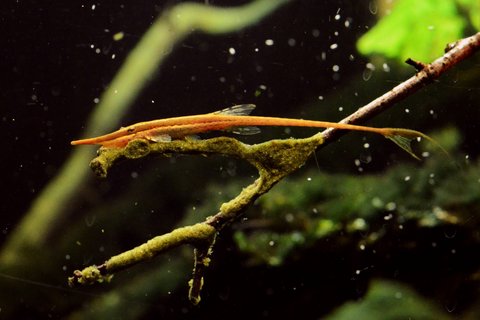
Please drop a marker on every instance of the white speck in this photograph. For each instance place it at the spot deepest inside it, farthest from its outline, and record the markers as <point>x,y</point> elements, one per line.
<point>407,178</point>
<point>309,179</point>
<point>97,50</point>
<point>271,243</point>
<point>92,46</point>
<point>357,162</point>
<point>263,87</point>
<point>386,67</point>
<point>153,101</point>
<point>370,66</point>
<point>351,57</point>
<point>366,145</point>
<point>407,110</point>
<point>431,28</point>
<point>231,51</point>
<point>256,50</point>
<point>96,100</point>
<point>292,42</point>
<point>335,68</point>
<point>335,33</point>
<point>101,248</point>
<point>431,112</point>
<point>362,247</point>
<point>358,271</point>
<point>134,175</point>
<point>337,17</point>
<point>333,46</point>
<point>398,295</point>
<point>67,257</point>
<point>93,7</point>
<point>340,109</point>
<point>222,79</point>
<point>113,56</point>
<point>323,55</point>
<point>320,97</point>
<point>269,42</point>
<point>315,33</point>
<point>347,23</point>
<point>388,217</point>
<point>425,154</point>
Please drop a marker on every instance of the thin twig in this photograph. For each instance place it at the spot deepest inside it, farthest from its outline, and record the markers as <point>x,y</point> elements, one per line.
<point>455,53</point>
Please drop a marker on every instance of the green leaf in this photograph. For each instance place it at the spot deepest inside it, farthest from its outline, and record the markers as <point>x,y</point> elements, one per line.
<point>416,29</point>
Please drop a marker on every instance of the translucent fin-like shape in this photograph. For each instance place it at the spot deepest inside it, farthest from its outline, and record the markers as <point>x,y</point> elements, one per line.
<point>404,137</point>
<point>404,143</point>
<point>238,110</point>
<point>246,131</point>
<point>159,138</point>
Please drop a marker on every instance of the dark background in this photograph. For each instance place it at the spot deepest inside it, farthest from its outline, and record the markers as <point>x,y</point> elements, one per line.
<point>56,59</point>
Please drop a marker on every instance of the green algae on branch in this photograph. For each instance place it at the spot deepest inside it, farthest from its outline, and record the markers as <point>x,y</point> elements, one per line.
<point>273,159</point>
<point>195,235</point>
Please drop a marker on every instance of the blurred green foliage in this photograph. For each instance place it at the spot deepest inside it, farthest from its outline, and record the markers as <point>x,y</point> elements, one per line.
<point>387,300</point>
<point>420,29</point>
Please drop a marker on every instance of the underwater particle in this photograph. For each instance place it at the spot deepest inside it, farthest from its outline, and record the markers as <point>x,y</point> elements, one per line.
<point>337,17</point>
<point>309,179</point>
<point>391,206</point>
<point>407,178</point>
<point>67,257</point>
<point>315,33</point>
<point>336,68</point>
<point>347,23</point>
<point>385,67</point>
<point>292,42</point>
<point>93,6</point>
<point>357,162</point>
<point>362,247</point>
<point>222,79</point>
<point>340,109</point>
<point>134,175</point>
<point>431,28</point>
<point>231,50</point>
<point>377,202</point>
<point>334,46</point>
<point>320,97</point>
<point>118,36</point>
<point>289,217</point>
<point>425,154</point>
<point>113,56</point>
<point>398,295</point>
<point>407,110</point>
<point>271,243</point>
<point>359,224</point>
<point>269,42</point>
<point>372,7</point>
<point>388,217</point>
<point>97,51</point>
<point>366,145</point>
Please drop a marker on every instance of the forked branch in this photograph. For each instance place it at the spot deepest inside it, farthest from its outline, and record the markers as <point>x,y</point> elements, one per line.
<point>274,160</point>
